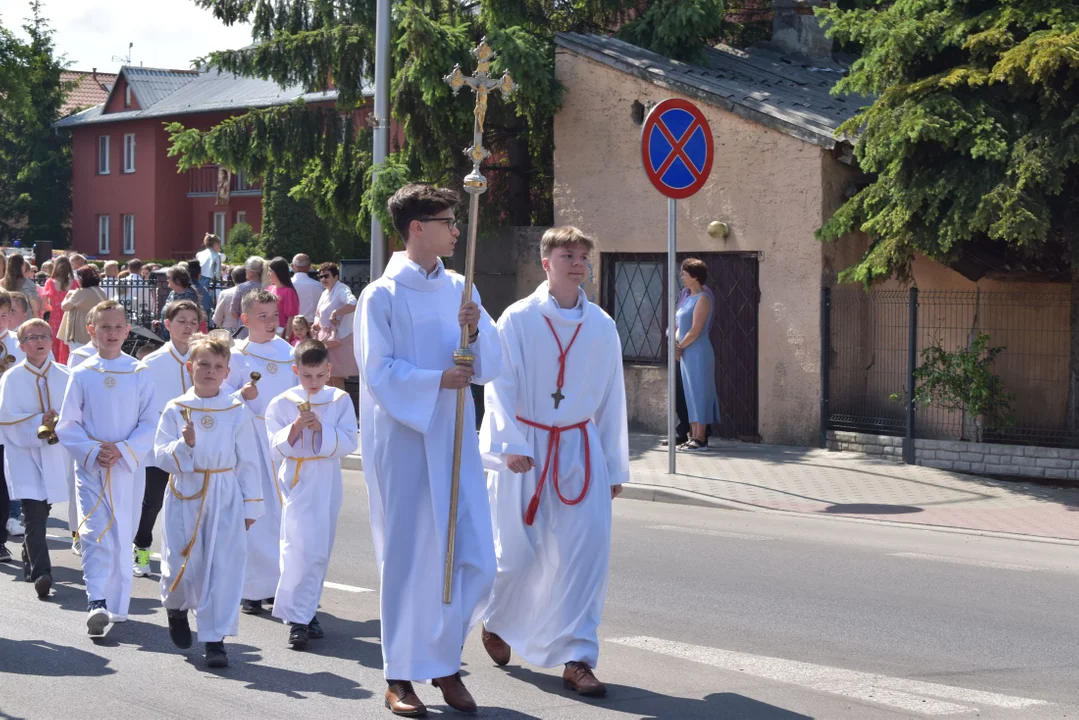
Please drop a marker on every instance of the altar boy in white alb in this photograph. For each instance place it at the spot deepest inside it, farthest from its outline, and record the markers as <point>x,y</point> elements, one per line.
<point>555,439</point>
<point>206,442</point>
<point>266,353</point>
<point>37,472</point>
<point>312,427</point>
<point>107,423</point>
<point>408,326</point>
<point>168,367</point>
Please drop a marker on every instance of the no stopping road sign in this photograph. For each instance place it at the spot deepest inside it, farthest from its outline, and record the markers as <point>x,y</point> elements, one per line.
<point>677,149</point>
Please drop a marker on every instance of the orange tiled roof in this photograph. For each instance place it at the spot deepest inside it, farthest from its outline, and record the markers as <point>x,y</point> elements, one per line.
<point>91,89</point>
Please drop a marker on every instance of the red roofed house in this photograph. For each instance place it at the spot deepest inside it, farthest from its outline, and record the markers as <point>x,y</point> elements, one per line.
<point>128,199</point>
<point>88,89</point>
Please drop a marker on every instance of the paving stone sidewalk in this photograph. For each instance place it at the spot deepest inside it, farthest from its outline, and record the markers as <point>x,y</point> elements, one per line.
<point>822,482</point>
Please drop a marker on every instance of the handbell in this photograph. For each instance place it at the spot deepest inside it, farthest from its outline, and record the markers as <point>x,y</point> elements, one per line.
<point>303,406</point>
<point>47,432</point>
<point>7,363</point>
<point>255,377</point>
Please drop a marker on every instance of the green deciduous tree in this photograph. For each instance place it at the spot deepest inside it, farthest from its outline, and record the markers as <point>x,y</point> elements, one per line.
<point>35,185</point>
<point>973,137</point>
<point>319,42</point>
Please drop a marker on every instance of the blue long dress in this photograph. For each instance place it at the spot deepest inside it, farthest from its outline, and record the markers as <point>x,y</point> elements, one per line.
<point>698,366</point>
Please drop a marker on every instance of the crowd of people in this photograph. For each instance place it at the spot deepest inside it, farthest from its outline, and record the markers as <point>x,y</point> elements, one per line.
<point>234,436</point>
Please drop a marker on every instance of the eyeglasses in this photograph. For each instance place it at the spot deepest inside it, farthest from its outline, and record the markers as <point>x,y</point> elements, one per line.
<point>325,276</point>
<point>37,338</point>
<point>451,223</point>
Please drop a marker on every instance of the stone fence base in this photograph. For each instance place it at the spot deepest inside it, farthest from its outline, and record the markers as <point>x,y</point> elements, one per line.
<point>968,457</point>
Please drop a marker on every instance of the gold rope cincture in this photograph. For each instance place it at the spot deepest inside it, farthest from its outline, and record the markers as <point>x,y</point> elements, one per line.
<point>107,487</point>
<point>299,464</point>
<point>183,381</point>
<point>201,497</point>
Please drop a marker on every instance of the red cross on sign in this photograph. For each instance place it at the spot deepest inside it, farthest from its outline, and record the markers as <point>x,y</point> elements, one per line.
<point>677,148</point>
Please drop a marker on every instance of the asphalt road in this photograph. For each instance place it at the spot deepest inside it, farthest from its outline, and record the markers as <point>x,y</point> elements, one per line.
<point>711,613</point>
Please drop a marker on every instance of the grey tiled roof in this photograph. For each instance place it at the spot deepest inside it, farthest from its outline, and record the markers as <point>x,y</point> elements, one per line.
<point>783,92</point>
<point>210,91</point>
<point>150,85</point>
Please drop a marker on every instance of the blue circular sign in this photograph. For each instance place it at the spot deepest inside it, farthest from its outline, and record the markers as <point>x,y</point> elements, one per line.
<point>677,148</point>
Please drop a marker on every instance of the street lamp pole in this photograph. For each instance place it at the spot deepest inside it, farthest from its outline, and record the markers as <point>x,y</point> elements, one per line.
<point>381,124</point>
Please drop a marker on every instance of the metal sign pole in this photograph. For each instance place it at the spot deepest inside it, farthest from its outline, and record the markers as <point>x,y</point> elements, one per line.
<point>672,298</point>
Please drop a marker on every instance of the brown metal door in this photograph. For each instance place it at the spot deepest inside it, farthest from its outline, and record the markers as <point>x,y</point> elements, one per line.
<point>734,278</point>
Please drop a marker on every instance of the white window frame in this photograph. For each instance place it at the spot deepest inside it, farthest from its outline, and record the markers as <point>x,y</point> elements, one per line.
<point>129,152</point>
<point>241,217</point>
<point>220,219</point>
<point>129,234</point>
<point>127,96</point>
<point>103,152</point>
<point>103,232</point>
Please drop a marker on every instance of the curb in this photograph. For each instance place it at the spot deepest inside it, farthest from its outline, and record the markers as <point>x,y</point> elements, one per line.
<point>674,496</point>
<point>657,493</point>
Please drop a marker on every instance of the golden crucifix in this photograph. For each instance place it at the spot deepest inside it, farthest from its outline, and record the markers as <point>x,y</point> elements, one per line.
<point>475,184</point>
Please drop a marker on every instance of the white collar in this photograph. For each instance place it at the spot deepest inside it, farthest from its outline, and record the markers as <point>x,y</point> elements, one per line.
<point>401,269</point>
<point>549,307</point>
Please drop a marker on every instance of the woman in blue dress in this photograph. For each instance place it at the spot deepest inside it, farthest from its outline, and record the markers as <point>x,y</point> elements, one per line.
<point>694,351</point>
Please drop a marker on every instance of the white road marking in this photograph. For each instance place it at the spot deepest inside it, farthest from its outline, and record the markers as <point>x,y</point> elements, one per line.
<point>346,588</point>
<point>906,695</point>
<point>712,533</point>
<point>967,561</point>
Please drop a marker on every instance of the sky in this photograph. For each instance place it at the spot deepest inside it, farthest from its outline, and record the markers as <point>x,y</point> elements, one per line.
<point>166,33</point>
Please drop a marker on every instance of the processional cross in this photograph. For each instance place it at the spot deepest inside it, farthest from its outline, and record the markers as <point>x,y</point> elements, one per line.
<point>475,184</point>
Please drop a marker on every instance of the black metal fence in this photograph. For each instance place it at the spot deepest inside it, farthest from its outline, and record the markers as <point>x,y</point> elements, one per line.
<point>873,344</point>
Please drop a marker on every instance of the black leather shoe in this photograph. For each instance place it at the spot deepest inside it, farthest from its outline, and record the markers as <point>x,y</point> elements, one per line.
<point>314,630</point>
<point>215,655</point>
<point>179,628</point>
<point>297,636</point>
<point>251,607</point>
<point>43,585</point>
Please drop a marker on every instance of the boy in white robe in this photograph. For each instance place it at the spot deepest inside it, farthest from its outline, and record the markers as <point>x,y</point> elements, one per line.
<point>313,427</point>
<point>10,355</point>
<point>169,368</point>
<point>107,423</point>
<point>36,471</point>
<point>266,353</point>
<point>555,438</point>
<point>206,441</point>
<point>408,327</point>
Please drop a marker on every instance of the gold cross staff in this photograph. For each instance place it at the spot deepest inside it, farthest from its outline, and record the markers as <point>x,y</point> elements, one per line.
<point>482,84</point>
<point>475,185</point>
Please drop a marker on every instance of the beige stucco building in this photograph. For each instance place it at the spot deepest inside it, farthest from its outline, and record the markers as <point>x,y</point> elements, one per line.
<point>779,172</point>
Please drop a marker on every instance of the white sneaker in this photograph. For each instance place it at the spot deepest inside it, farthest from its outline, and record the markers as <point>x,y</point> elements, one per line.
<point>97,619</point>
<point>76,546</point>
<point>141,564</point>
<point>15,528</point>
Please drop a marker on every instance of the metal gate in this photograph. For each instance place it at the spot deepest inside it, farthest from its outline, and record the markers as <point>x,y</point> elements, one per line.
<point>734,278</point>
<point>635,295</point>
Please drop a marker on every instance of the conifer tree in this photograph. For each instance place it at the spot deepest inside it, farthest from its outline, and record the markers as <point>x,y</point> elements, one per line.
<point>318,42</point>
<point>973,138</point>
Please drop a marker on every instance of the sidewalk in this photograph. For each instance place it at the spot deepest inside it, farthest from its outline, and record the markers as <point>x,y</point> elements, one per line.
<point>820,482</point>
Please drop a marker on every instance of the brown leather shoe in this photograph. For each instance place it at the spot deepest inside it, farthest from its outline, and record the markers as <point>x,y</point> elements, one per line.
<point>578,677</point>
<point>401,699</point>
<point>455,693</point>
<point>496,647</point>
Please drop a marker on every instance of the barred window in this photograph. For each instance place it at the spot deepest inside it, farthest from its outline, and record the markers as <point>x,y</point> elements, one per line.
<point>634,294</point>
